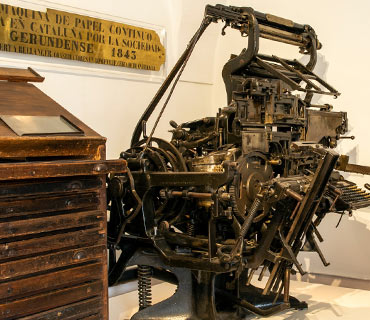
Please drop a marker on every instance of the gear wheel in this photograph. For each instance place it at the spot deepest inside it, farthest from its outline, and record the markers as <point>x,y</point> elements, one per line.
<point>251,170</point>
<point>233,202</point>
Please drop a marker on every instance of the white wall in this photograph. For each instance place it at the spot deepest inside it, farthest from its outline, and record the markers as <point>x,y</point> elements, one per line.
<point>111,100</point>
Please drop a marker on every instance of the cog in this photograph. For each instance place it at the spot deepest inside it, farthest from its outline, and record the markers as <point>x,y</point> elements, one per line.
<point>252,169</point>
<point>233,202</point>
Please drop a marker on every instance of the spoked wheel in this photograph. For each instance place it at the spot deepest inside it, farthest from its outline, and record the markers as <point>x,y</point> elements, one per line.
<point>125,217</point>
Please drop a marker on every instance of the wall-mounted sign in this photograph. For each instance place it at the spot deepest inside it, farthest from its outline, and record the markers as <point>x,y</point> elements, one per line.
<point>65,35</point>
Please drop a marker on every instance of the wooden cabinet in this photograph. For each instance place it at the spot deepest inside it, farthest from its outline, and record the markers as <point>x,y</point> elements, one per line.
<point>53,262</point>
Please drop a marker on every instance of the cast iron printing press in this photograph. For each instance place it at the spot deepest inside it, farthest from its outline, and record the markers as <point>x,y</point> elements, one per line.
<point>237,194</point>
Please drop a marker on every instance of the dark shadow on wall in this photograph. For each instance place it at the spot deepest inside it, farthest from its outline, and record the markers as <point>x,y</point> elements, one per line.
<point>345,247</point>
<point>321,69</point>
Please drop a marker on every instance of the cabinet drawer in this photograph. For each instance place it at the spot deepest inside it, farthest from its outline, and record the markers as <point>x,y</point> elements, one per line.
<point>50,261</point>
<point>16,189</point>
<point>57,279</point>
<point>90,309</point>
<point>50,223</point>
<point>23,206</point>
<point>38,303</point>
<point>53,242</point>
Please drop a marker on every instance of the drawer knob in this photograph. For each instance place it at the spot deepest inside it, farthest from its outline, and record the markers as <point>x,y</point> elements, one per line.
<point>79,255</point>
<point>101,167</point>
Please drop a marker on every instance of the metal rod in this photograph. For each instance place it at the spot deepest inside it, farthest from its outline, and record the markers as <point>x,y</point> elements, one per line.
<point>286,285</point>
<point>266,290</point>
<point>284,35</point>
<point>179,64</point>
<point>278,293</point>
<point>298,73</point>
<point>263,271</point>
<point>294,195</point>
<point>250,276</point>
<point>279,39</point>
<point>294,211</point>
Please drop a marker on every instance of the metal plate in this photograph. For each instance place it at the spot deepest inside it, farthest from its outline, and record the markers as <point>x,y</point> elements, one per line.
<point>40,125</point>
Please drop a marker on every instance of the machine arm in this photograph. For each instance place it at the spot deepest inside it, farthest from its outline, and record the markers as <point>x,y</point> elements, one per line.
<point>250,23</point>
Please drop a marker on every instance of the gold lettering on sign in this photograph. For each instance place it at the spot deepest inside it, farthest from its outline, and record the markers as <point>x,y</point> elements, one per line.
<point>65,35</point>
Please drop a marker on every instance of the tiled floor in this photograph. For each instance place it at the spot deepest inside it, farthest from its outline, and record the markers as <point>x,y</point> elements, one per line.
<point>324,303</point>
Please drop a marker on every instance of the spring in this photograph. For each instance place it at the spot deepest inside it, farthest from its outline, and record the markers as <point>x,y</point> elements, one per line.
<point>250,216</point>
<point>144,274</point>
<point>190,228</point>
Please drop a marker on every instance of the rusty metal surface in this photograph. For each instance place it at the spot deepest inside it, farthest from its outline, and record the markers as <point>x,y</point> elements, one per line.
<point>356,168</point>
<point>237,192</point>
